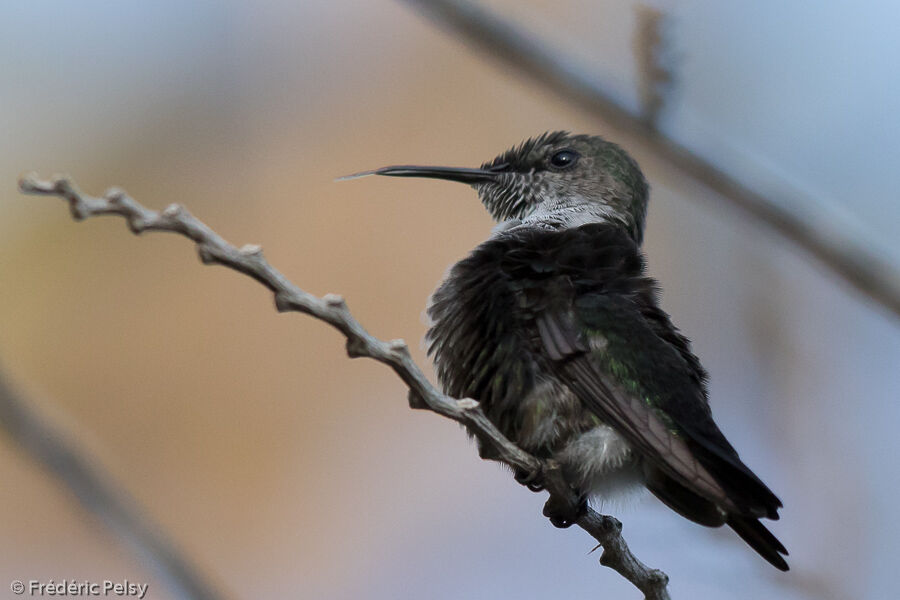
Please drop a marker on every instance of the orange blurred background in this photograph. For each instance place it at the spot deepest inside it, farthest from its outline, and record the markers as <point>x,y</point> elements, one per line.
<point>283,468</point>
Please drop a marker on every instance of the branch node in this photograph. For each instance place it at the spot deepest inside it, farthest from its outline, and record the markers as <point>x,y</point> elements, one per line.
<point>136,224</point>
<point>416,401</point>
<point>356,347</point>
<point>28,183</point>
<point>63,185</point>
<point>607,559</point>
<point>172,211</point>
<point>612,524</point>
<point>115,195</point>
<point>254,250</point>
<point>399,346</point>
<point>283,302</point>
<point>334,301</point>
<point>467,404</point>
<point>207,258</point>
<point>79,211</point>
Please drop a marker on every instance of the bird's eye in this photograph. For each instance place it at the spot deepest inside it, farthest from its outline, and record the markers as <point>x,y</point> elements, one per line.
<point>564,159</point>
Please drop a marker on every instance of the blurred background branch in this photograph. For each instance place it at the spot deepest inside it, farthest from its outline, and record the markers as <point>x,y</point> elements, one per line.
<point>848,256</point>
<point>653,63</point>
<point>69,462</point>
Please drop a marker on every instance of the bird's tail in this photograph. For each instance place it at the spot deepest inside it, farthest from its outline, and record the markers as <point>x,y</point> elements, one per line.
<point>760,539</point>
<point>700,510</point>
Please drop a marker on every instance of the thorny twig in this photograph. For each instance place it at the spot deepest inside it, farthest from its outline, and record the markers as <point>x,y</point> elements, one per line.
<point>332,309</point>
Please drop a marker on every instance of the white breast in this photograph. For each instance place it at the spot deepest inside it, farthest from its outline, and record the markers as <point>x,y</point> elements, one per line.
<point>603,463</point>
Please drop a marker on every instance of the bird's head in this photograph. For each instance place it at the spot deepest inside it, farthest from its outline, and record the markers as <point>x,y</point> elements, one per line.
<point>554,172</point>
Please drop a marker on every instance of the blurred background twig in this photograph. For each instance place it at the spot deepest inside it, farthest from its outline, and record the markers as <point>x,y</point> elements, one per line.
<point>58,451</point>
<point>849,257</point>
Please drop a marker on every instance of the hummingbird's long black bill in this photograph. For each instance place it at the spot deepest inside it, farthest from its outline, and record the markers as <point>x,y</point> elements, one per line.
<point>460,174</point>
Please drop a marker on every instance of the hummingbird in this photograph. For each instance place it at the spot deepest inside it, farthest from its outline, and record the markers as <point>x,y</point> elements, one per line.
<point>553,325</point>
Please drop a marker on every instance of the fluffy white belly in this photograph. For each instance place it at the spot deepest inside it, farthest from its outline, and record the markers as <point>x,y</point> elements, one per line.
<point>601,463</point>
<point>595,459</point>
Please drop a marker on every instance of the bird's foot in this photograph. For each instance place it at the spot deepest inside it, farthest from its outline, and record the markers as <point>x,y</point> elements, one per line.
<point>533,480</point>
<point>565,512</point>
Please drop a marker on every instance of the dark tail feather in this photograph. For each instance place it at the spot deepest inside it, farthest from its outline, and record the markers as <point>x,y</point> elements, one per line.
<point>760,539</point>
<point>680,499</point>
<point>741,485</point>
<point>700,510</point>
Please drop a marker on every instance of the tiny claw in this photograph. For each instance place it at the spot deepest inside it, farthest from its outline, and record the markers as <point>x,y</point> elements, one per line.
<point>530,479</point>
<point>560,522</point>
<point>562,514</point>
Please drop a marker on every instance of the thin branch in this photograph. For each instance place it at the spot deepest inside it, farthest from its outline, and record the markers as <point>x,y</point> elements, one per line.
<point>850,258</point>
<point>332,309</point>
<point>60,453</point>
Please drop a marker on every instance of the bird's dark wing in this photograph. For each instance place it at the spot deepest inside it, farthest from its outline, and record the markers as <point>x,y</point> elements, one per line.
<point>638,383</point>
<point>606,388</point>
<point>598,326</point>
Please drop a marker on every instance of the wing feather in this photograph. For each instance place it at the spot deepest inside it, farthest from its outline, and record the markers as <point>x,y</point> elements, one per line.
<point>645,428</point>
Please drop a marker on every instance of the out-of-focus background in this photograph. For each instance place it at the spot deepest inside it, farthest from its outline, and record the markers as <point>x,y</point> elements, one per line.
<point>286,470</point>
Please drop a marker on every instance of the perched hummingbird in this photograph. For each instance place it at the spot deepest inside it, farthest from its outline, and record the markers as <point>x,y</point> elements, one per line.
<point>554,327</point>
